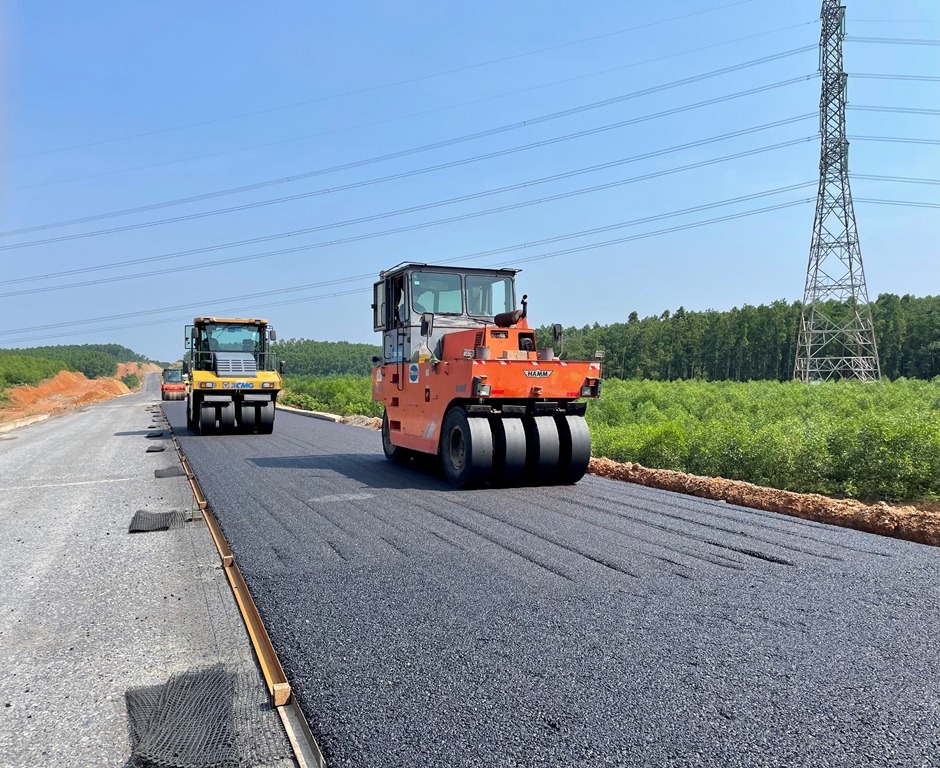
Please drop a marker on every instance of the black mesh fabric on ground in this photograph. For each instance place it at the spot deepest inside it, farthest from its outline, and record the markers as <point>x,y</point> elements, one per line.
<point>175,471</point>
<point>146,522</point>
<point>207,717</point>
<point>186,723</point>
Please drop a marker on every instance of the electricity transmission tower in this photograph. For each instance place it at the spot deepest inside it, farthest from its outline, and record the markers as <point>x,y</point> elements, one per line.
<point>837,337</point>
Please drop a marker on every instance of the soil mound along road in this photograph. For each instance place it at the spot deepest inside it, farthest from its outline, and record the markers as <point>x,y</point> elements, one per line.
<point>68,390</point>
<point>909,523</point>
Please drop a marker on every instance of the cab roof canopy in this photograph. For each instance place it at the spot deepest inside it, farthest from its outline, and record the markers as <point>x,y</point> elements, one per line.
<point>230,320</point>
<point>410,265</point>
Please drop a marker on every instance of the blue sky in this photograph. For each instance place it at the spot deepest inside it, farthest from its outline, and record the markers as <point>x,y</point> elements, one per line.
<point>489,133</point>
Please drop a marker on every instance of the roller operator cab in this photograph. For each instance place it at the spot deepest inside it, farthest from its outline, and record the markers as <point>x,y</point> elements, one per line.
<point>233,381</point>
<point>173,387</point>
<point>460,377</point>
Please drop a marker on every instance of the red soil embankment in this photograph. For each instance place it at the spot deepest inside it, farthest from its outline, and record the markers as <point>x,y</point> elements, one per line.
<point>67,390</point>
<point>905,522</point>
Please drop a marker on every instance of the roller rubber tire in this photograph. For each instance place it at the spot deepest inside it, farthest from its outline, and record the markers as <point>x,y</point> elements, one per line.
<point>206,420</point>
<point>509,452</point>
<point>542,449</point>
<point>246,417</point>
<point>466,449</point>
<point>575,448</point>
<point>266,418</point>
<point>394,453</point>
<point>190,419</point>
<point>227,418</point>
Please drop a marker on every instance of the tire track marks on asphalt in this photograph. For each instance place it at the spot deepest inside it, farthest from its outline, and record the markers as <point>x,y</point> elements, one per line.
<point>278,504</point>
<point>597,558</point>
<point>636,536</point>
<point>518,551</point>
<point>745,549</point>
<point>774,522</point>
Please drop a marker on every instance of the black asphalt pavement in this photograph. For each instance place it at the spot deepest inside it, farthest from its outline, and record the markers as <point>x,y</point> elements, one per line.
<point>601,624</point>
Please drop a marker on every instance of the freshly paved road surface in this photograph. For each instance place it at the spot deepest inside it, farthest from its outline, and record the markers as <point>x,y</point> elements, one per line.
<point>603,624</point>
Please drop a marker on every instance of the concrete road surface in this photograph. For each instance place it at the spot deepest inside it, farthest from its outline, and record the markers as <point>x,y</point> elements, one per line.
<point>88,611</point>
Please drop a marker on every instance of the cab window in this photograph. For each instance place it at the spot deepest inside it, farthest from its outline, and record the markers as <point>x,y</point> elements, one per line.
<point>233,338</point>
<point>436,292</point>
<point>488,295</point>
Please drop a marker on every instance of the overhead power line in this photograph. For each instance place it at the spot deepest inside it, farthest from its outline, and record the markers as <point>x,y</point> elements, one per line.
<point>423,225</point>
<point>283,235</point>
<point>900,179</point>
<point>405,174</point>
<point>422,113</point>
<point>465,138</point>
<point>570,251</point>
<point>892,40</point>
<point>333,242</point>
<point>382,86</point>
<point>902,203</point>
<point>894,139</point>
<point>878,76</point>
<point>900,110</point>
<point>465,257</point>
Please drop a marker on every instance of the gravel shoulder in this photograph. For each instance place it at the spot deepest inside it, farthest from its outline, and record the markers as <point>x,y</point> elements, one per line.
<point>87,610</point>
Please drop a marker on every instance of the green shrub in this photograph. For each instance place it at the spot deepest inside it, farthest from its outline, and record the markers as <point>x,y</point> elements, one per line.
<point>342,395</point>
<point>18,370</point>
<point>870,441</point>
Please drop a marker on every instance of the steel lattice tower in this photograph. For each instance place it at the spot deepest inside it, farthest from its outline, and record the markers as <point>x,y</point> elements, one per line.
<point>837,337</point>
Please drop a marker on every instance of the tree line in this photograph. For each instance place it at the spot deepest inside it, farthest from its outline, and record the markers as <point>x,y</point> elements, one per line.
<point>753,343</point>
<point>305,357</point>
<point>18,370</point>
<point>93,360</point>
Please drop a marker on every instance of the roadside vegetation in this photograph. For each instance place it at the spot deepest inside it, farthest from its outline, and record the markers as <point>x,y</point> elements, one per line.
<point>753,343</point>
<point>93,360</point>
<point>305,357</point>
<point>131,381</point>
<point>873,442</point>
<point>342,395</point>
<point>17,370</point>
